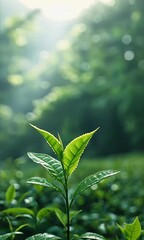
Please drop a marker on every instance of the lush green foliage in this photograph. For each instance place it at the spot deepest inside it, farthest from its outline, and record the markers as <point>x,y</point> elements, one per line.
<point>114,201</point>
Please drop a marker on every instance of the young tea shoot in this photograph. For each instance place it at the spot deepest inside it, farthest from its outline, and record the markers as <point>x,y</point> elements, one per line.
<point>60,169</point>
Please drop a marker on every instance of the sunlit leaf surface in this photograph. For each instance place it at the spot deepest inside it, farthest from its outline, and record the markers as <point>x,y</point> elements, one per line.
<point>74,150</point>
<point>52,141</point>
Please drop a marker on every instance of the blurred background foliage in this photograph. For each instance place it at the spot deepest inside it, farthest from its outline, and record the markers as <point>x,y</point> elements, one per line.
<point>89,74</point>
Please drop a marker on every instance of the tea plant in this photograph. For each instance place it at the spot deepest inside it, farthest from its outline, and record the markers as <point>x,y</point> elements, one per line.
<point>60,170</point>
<point>59,173</point>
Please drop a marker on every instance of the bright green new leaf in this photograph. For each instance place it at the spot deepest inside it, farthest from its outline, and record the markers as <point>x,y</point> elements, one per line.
<point>43,236</point>
<point>91,236</point>
<point>61,216</point>
<point>131,231</point>
<point>74,150</point>
<point>75,237</point>
<point>53,142</point>
<point>92,180</point>
<point>53,166</point>
<point>8,235</point>
<point>44,212</point>
<point>44,182</point>
<point>17,211</point>
<point>10,194</point>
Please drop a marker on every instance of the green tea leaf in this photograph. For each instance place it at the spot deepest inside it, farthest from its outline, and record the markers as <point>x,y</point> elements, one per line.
<point>8,235</point>
<point>44,212</point>
<point>91,236</point>
<point>74,150</point>
<point>131,231</point>
<point>53,142</point>
<point>43,236</point>
<point>44,182</point>
<point>17,211</point>
<point>61,216</point>
<point>10,194</point>
<point>52,165</point>
<point>92,180</point>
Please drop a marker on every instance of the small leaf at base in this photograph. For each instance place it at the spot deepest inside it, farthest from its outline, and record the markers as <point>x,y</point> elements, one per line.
<point>43,236</point>
<point>91,236</point>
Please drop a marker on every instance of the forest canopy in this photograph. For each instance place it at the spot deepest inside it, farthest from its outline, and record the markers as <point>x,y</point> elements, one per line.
<point>93,77</point>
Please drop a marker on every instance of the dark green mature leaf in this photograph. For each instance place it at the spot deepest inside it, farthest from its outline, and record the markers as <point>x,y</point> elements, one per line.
<point>8,235</point>
<point>74,150</point>
<point>61,216</point>
<point>53,166</point>
<point>17,211</point>
<point>91,236</point>
<point>131,231</point>
<point>44,182</point>
<point>92,180</point>
<point>53,142</point>
<point>10,194</point>
<point>43,236</point>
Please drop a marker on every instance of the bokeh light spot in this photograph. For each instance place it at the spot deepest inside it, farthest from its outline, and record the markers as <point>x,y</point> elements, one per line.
<point>129,55</point>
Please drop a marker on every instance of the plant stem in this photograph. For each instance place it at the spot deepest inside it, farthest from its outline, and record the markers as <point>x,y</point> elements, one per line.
<point>67,203</point>
<point>68,214</point>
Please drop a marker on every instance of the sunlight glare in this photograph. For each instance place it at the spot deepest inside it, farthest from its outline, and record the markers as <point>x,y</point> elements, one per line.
<point>59,10</point>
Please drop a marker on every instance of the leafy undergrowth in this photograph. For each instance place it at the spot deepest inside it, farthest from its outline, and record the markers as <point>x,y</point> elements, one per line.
<point>113,202</point>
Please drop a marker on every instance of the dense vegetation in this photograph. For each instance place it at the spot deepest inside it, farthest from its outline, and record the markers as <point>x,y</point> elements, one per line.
<point>116,200</point>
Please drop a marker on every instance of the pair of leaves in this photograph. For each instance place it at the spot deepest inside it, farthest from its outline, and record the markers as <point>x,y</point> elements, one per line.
<point>131,231</point>
<point>45,236</point>
<point>53,166</point>
<point>70,156</point>
<point>63,217</point>
<point>84,185</point>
